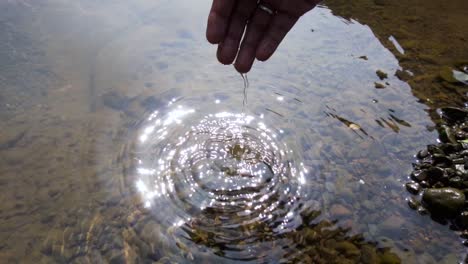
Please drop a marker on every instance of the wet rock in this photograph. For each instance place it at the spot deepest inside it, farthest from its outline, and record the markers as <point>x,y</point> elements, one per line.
<point>413,203</point>
<point>422,154</point>
<point>413,187</point>
<point>419,175</point>
<point>453,114</point>
<point>456,182</point>
<point>441,160</point>
<point>339,210</point>
<point>462,220</point>
<point>435,173</point>
<point>444,201</point>
<point>382,75</point>
<point>389,258</point>
<point>378,85</point>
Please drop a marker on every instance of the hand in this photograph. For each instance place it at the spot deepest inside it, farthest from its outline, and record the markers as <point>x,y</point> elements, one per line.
<point>264,32</point>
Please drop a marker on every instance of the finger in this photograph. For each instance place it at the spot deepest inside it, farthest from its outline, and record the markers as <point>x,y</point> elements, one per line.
<point>279,27</point>
<point>218,20</point>
<point>299,8</point>
<point>255,32</point>
<point>229,46</point>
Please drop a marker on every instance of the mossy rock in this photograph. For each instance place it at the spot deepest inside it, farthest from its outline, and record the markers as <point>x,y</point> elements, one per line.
<point>389,258</point>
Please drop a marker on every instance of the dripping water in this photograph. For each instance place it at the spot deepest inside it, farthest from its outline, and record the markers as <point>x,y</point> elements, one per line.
<point>246,85</point>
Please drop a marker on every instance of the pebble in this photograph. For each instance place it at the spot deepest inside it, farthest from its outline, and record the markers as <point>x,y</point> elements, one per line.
<point>392,223</point>
<point>413,187</point>
<point>339,210</point>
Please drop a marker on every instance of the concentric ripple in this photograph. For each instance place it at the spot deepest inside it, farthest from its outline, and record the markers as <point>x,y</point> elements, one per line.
<point>224,180</point>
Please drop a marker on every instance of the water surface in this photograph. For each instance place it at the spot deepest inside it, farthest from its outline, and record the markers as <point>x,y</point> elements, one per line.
<point>122,139</point>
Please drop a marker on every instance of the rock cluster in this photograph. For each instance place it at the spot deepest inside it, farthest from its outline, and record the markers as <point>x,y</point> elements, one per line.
<point>441,172</point>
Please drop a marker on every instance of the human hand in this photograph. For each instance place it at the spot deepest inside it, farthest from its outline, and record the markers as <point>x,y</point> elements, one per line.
<point>264,31</point>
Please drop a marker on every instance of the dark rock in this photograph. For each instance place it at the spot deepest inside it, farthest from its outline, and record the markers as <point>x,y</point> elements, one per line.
<point>462,220</point>
<point>413,187</point>
<point>434,173</point>
<point>441,160</point>
<point>422,154</point>
<point>435,149</point>
<point>424,184</point>
<point>379,85</point>
<point>456,182</point>
<point>444,201</point>
<point>382,75</point>
<point>464,234</point>
<point>419,175</point>
<point>453,114</point>
<point>413,203</point>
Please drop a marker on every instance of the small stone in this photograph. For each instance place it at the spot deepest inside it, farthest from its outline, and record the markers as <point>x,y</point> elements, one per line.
<point>382,75</point>
<point>379,85</point>
<point>363,58</point>
<point>422,154</point>
<point>422,211</point>
<point>456,182</point>
<point>462,220</point>
<point>413,203</point>
<point>392,223</point>
<point>413,187</point>
<point>419,175</point>
<point>339,210</point>
<point>444,201</point>
<point>464,234</point>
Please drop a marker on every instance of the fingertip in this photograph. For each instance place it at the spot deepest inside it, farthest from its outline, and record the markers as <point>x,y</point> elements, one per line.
<point>214,31</point>
<point>224,56</point>
<point>243,67</point>
<point>264,52</point>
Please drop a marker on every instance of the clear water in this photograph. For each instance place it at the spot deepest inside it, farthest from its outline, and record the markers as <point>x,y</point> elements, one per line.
<point>123,139</point>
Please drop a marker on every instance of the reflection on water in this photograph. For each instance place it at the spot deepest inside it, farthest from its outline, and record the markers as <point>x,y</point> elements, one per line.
<point>123,140</point>
<point>222,175</point>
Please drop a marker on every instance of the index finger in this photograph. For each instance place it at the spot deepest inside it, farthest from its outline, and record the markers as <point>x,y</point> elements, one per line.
<point>218,20</point>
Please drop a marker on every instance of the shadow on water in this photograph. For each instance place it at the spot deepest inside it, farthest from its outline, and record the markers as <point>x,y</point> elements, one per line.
<point>123,140</point>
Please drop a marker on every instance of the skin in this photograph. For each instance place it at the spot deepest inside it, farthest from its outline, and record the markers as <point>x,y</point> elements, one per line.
<point>230,19</point>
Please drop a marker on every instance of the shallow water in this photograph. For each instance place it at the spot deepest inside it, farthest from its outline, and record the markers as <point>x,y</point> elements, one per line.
<point>123,140</point>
